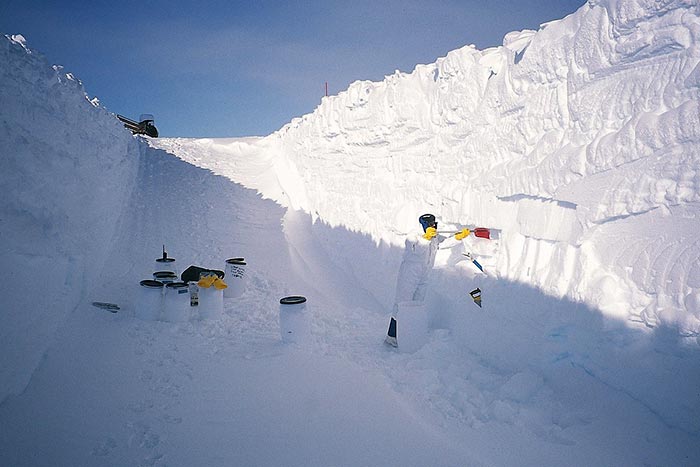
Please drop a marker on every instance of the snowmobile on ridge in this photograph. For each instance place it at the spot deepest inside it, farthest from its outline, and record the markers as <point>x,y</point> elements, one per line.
<point>144,126</point>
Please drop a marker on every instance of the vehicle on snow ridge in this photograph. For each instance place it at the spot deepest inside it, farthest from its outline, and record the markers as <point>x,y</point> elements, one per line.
<point>144,126</point>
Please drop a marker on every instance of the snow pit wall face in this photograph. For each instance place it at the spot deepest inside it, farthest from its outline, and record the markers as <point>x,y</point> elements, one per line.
<point>66,163</point>
<point>592,119</point>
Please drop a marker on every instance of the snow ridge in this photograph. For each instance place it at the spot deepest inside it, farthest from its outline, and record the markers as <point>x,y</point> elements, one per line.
<point>562,138</point>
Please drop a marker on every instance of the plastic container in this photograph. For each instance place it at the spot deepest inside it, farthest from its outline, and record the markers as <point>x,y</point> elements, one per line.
<point>166,277</point>
<point>165,263</point>
<point>194,293</point>
<point>211,303</point>
<point>235,277</point>
<point>150,300</point>
<point>176,306</point>
<point>411,326</point>
<point>294,319</point>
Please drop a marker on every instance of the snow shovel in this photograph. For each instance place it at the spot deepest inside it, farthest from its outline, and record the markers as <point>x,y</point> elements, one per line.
<point>481,232</point>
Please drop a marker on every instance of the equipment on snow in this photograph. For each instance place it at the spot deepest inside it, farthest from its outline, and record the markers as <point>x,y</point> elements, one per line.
<point>474,262</point>
<point>430,233</point>
<point>391,333</point>
<point>414,319</point>
<point>210,295</point>
<point>149,305</point>
<point>176,302</point>
<point>294,320</point>
<point>211,301</point>
<point>164,260</point>
<point>143,127</point>
<point>165,276</point>
<point>481,232</point>
<point>462,234</point>
<point>210,279</point>
<point>194,273</point>
<point>194,294</point>
<point>476,295</point>
<point>427,220</point>
<point>236,277</point>
<point>113,307</point>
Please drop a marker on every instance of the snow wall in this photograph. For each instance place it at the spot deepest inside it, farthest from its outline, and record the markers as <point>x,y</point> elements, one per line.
<point>579,142</point>
<point>68,169</point>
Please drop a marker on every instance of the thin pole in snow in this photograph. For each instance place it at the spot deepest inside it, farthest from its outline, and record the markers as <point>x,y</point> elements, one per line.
<point>326,88</point>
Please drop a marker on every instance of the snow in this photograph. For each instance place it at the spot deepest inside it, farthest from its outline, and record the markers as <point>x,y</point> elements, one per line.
<point>576,144</point>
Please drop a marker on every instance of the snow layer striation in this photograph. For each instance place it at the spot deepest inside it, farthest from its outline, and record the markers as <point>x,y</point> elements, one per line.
<point>579,142</point>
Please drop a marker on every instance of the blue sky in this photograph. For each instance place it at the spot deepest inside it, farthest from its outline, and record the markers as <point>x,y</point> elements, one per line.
<point>230,68</point>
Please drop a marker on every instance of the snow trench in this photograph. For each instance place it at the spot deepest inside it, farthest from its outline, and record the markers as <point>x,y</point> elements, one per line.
<point>577,145</point>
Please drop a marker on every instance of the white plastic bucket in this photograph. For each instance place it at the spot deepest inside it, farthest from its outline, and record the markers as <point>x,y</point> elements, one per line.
<point>176,306</point>
<point>211,303</point>
<point>150,300</point>
<point>294,320</point>
<point>235,277</point>
<point>411,326</point>
<point>166,277</point>
<point>165,264</point>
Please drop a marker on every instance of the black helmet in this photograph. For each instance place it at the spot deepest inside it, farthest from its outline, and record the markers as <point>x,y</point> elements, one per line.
<point>427,220</point>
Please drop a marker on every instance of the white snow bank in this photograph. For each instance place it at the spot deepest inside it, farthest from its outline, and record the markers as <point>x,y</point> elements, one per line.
<point>561,139</point>
<point>68,169</point>
<point>527,380</point>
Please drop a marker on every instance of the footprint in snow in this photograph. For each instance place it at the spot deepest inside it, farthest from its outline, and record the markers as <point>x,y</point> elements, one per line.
<point>105,447</point>
<point>142,436</point>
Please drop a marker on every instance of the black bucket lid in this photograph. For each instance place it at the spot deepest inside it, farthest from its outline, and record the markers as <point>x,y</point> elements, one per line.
<point>176,285</point>
<point>240,261</point>
<point>164,274</point>
<point>292,300</point>
<point>151,284</point>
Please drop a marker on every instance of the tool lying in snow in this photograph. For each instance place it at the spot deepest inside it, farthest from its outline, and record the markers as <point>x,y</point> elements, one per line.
<point>113,307</point>
<point>144,126</point>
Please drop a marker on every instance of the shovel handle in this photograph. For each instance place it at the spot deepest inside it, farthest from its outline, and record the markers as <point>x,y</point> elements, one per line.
<point>481,232</point>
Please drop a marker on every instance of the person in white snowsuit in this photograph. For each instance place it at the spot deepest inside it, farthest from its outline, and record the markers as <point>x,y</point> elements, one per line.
<point>418,261</point>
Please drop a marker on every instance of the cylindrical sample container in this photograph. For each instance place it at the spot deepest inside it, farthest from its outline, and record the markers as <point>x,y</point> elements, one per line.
<point>166,277</point>
<point>211,303</point>
<point>176,306</point>
<point>150,300</point>
<point>165,263</point>
<point>411,326</point>
<point>294,320</point>
<point>235,277</point>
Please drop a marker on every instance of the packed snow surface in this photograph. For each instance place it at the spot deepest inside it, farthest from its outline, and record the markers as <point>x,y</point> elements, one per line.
<point>577,145</point>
